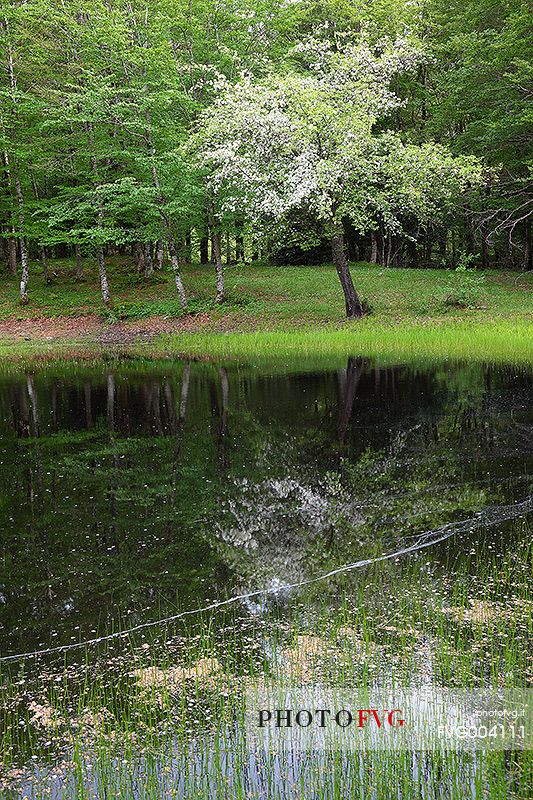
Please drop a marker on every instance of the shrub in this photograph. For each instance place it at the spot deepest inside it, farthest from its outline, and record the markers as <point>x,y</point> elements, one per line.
<point>466,287</point>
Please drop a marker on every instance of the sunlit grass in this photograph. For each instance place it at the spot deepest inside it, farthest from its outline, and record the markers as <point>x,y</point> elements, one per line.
<point>501,341</point>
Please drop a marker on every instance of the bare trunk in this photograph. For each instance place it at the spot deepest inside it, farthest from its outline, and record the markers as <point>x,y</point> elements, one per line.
<point>454,248</point>
<point>159,255</point>
<point>42,249</point>
<point>204,250</point>
<point>228,249</point>
<point>44,265</point>
<point>148,262</point>
<point>8,232</point>
<point>219,270</point>
<point>25,272</point>
<point>174,260</point>
<point>412,253</point>
<point>11,255</point>
<point>484,231</point>
<point>387,249</point>
<point>239,243</point>
<point>104,286</point>
<point>374,252</point>
<point>139,257</point>
<point>354,309</point>
<point>175,264</point>
<point>80,275</point>
<point>18,188</point>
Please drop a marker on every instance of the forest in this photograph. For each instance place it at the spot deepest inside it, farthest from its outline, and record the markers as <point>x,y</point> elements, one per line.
<point>266,399</point>
<point>293,132</point>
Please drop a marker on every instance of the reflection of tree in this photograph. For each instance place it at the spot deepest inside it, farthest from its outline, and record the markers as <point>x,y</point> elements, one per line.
<point>348,380</point>
<point>136,508</point>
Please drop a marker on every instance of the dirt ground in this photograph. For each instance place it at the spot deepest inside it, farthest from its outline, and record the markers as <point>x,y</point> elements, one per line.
<point>93,328</point>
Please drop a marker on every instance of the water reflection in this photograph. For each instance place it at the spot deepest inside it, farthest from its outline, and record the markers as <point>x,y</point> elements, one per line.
<point>132,491</point>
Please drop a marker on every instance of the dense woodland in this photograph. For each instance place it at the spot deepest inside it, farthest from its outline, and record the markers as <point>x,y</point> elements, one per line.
<point>223,131</point>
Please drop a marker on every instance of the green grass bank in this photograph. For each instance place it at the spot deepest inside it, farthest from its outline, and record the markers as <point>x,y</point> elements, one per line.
<point>270,312</point>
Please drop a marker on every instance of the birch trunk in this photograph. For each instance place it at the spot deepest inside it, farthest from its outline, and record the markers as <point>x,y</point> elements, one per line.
<point>25,270</point>
<point>100,258</point>
<point>171,242</point>
<point>24,277</point>
<point>159,255</point>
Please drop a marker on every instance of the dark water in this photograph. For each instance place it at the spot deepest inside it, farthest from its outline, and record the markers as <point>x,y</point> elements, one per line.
<point>129,492</point>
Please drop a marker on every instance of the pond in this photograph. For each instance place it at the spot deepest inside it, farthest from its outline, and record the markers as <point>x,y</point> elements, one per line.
<point>229,520</point>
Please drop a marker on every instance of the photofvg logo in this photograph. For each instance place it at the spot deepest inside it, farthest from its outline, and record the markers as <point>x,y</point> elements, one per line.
<point>318,718</point>
<point>321,717</point>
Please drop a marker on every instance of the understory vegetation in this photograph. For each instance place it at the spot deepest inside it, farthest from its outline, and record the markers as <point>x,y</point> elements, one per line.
<point>264,296</point>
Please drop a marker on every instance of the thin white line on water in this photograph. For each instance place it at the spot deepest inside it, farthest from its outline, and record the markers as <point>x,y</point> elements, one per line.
<point>490,516</point>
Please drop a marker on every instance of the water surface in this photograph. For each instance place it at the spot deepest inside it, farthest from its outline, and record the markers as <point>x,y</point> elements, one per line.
<point>132,491</point>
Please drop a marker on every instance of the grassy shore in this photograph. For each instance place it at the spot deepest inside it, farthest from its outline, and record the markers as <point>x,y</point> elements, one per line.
<point>270,311</point>
<point>163,716</point>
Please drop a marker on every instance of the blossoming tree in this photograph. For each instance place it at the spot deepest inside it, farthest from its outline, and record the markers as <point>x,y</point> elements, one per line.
<point>314,141</point>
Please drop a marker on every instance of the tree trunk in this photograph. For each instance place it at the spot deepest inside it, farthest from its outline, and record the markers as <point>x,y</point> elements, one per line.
<point>10,252</point>
<point>219,270</point>
<point>228,249</point>
<point>528,248</point>
<point>42,249</point>
<point>171,242</point>
<point>25,272</point>
<point>80,275</point>
<point>175,264</point>
<point>148,261</point>
<point>239,243</point>
<point>204,250</point>
<point>18,188</point>
<point>100,257</point>
<point>8,229</point>
<point>139,257</point>
<point>44,264</point>
<point>159,255</point>
<point>354,309</point>
<point>442,248</point>
<point>102,273</point>
<point>484,231</point>
<point>374,251</point>
<point>469,234</point>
